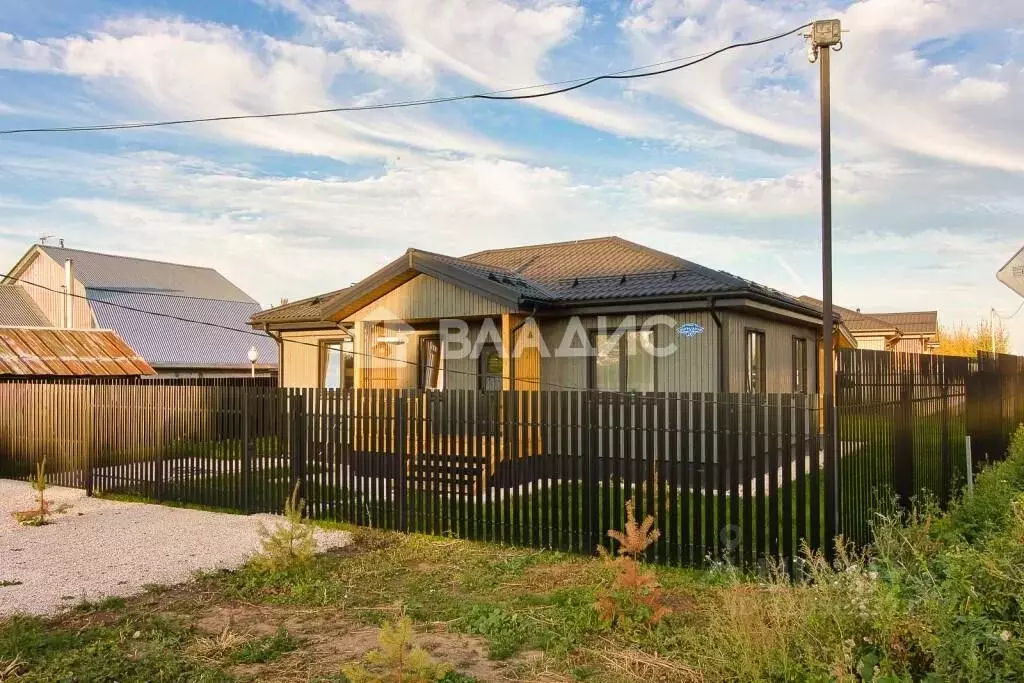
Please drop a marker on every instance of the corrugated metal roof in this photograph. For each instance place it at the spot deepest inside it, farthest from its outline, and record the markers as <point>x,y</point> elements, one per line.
<point>581,271</point>
<point>912,322</point>
<point>125,273</point>
<point>47,351</point>
<point>176,340</point>
<point>18,309</point>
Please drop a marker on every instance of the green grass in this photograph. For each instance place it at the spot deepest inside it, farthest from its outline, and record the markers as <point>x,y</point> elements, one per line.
<point>265,649</point>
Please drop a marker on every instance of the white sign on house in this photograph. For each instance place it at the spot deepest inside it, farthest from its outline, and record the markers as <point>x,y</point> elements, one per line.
<point>1012,274</point>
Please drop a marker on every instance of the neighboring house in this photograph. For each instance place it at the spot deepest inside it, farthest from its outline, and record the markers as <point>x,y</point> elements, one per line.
<point>151,305</point>
<point>591,314</point>
<point>912,332</point>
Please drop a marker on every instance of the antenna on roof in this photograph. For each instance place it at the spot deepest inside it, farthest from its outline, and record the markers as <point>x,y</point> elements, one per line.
<point>61,242</point>
<point>44,238</point>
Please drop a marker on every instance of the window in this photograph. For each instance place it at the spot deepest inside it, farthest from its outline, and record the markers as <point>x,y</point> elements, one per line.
<point>431,363</point>
<point>623,362</point>
<point>755,362</point>
<point>490,369</point>
<point>799,365</point>
<point>337,364</point>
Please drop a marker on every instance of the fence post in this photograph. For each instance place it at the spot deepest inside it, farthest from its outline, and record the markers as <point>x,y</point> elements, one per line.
<point>947,465</point>
<point>156,415</point>
<point>91,445</point>
<point>401,430</point>
<point>297,428</point>
<point>246,448</point>
<point>590,458</point>
<point>903,443</point>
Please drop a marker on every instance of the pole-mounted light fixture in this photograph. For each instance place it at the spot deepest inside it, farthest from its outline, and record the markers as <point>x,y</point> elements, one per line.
<point>254,355</point>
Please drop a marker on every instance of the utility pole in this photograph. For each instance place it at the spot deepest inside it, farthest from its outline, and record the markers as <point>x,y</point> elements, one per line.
<point>992,328</point>
<point>826,36</point>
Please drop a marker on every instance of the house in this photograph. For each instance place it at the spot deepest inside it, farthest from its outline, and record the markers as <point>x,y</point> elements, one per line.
<point>911,332</point>
<point>185,321</point>
<point>605,314</point>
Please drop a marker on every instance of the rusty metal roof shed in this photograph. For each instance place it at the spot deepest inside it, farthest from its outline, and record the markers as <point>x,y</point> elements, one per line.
<point>52,352</point>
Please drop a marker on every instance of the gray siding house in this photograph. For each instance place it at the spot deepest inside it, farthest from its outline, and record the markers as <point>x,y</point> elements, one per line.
<point>603,314</point>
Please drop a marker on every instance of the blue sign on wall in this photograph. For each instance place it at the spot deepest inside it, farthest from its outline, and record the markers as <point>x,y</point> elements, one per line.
<point>690,329</point>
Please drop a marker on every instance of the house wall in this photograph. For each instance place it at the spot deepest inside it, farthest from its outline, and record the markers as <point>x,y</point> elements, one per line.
<point>426,298</point>
<point>43,270</point>
<point>692,367</point>
<point>911,344</point>
<point>300,362</point>
<point>778,351</point>
<point>874,343</point>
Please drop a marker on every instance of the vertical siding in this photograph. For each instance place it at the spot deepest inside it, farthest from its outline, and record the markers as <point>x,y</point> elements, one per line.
<point>426,298</point>
<point>873,343</point>
<point>693,366</point>
<point>300,362</point>
<point>778,351</point>
<point>44,271</point>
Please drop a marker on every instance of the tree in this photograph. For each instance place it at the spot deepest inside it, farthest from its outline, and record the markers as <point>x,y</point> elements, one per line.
<point>963,340</point>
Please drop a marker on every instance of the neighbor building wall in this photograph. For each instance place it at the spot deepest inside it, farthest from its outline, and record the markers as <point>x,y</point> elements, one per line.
<point>300,356</point>
<point>871,342</point>
<point>779,338</point>
<point>43,270</point>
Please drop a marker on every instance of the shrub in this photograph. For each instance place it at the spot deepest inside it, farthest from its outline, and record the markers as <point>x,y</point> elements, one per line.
<point>290,544</point>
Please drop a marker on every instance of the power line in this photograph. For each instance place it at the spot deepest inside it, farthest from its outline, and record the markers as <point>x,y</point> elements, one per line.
<point>492,95</point>
<point>267,336</point>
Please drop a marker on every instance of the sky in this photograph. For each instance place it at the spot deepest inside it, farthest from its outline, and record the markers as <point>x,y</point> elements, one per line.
<point>718,163</point>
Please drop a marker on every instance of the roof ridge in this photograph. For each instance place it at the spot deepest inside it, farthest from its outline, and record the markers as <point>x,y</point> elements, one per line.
<point>46,247</point>
<point>543,244</point>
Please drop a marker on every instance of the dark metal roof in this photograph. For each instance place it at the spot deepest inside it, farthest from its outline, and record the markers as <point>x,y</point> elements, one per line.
<point>855,321</point>
<point>124,273</point>
<point>303,310</point>
<point>17,308</point>
<point>563,273</point>
<point>47,351</point>
<point>912,322</point>
<point>165,335</point>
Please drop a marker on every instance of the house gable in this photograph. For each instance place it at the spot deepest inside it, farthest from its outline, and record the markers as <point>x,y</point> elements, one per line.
<point>42,278</point>
<point>427,298</point>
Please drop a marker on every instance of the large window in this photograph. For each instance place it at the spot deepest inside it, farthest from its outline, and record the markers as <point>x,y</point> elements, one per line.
<point>431,363</point>
<point>800,380</point>
<point>337,364</point>
<point>755,362</point>
<point>624,361</point>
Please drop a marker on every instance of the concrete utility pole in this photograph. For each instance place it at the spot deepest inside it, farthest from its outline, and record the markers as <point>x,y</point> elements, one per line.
<point>826,36</point>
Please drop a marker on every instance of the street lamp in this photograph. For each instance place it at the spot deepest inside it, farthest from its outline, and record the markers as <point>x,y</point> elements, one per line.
<point>254,356</point>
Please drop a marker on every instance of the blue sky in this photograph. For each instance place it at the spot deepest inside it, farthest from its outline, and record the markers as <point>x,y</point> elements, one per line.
<point>717,163</point>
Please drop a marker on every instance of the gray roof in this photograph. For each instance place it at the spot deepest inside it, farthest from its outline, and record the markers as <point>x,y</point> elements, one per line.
<point>17,308</point>
<point>174,341</point>
<point>125,273</point>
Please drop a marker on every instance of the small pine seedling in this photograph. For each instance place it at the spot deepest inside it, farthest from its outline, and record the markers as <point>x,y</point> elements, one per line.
<point>40,514</point>
<point>397,660</point>
<point>634,596</point>
<point>289,544</point>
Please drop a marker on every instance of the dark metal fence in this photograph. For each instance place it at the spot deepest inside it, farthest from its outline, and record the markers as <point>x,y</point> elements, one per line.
<point>729,476</point>
<point>903,422</point>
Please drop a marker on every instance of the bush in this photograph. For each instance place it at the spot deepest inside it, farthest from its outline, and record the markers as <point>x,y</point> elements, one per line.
<point>290,544</point>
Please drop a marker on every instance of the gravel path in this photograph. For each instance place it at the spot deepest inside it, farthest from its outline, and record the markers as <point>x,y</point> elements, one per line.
<point>102,548</point>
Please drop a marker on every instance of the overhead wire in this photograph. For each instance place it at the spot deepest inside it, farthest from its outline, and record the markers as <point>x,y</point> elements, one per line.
<point>262,335</point>
<point>500,95</point>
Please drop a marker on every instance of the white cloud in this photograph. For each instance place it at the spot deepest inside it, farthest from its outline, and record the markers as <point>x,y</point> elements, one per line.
<point>977,91</point>
<point>171,68</point>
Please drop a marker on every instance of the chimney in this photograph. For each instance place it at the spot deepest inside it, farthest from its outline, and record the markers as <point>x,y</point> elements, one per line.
<point>284,301</point>
<point>69,302</point>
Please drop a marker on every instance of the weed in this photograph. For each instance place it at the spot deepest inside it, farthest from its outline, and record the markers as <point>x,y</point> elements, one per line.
<point>290,544</point>
<point>265,649</point>
<point>505,632</point>
<point>9,582</point>
<point>39,515</point>
<point>110,604</point>
<point>397,660</point>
